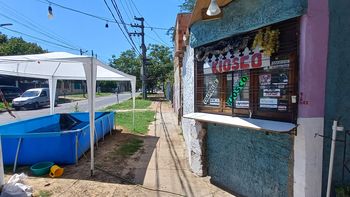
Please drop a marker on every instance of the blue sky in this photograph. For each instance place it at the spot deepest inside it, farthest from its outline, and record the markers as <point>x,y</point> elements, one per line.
<point>80,31</point>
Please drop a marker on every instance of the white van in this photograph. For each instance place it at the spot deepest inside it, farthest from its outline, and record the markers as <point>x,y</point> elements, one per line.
<point>32,98</point>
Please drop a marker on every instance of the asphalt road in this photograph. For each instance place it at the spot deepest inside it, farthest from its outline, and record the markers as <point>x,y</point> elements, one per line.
<point>100,103</point>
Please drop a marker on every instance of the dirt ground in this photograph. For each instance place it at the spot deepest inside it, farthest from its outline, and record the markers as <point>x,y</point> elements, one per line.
<point>114,174</point>
<point>159,168</point>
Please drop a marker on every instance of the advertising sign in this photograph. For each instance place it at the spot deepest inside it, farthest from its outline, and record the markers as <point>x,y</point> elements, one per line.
<point>239,61</point>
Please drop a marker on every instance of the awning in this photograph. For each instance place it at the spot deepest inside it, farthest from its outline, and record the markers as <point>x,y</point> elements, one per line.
<point>249,123</point>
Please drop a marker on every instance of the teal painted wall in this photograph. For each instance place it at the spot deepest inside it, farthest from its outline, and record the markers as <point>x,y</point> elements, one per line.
<point>250,163</point>
<point>245,15</point>
<point>337,87</point>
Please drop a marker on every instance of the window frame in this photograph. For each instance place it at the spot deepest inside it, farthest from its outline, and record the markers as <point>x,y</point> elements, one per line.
<point>289,116</point>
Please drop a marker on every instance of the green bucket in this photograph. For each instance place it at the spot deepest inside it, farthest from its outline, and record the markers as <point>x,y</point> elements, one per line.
<point>41,168</point>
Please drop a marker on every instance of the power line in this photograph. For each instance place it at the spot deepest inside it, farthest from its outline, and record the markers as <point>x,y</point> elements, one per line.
<point>126,37</point>
<point>150,37</point>
<point>127,2</point>
<point>149,26</point>
<point>126,11</point>
<point>115,5</point>
<point>29,27</point>
<point>57,44</point>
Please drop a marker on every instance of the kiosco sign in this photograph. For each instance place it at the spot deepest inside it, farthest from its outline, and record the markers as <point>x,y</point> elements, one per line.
<point>239,61</point>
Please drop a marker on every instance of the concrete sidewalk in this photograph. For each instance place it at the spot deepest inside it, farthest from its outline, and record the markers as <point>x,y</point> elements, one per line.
<point>168,167</point>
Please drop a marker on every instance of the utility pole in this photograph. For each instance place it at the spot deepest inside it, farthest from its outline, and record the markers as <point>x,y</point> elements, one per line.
<point>144,58</point>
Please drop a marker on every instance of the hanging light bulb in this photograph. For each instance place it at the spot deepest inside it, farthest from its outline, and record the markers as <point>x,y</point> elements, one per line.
<point>50,15</point>
<point>213,8</point>
<point>106,26</point>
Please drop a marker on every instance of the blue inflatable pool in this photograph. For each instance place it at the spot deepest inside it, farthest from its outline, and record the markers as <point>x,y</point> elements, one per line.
<point>59,138</point>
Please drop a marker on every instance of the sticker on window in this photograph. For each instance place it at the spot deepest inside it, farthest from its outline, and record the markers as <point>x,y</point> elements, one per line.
<point>214,101</point>
<point>272,92</point>
<point>280,63</point>
<point>237,89</point>
<point>242,104</point>
<point>268,103</point>
<point>265,79</point>
<point>211,91</point>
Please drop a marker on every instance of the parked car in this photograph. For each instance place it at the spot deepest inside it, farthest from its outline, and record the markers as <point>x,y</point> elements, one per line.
<point>10,92</point>
<point>32,98</point>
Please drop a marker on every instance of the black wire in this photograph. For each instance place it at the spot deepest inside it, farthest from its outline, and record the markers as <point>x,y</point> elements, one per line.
<point>40,32</point>
<point>35,27</point>
<point>120,27</point>
<point>115,5</point>
<point>131,11</point>
<point>126,11</point>
<point>149,26</point>
<point>92,15</point>
<point>57,44</point>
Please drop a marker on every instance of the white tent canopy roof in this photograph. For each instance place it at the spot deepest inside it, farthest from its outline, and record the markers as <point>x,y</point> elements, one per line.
<point>58,65</point>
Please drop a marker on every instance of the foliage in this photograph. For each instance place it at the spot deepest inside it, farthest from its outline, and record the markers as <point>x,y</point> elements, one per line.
<point>128,62</point>
<point>142,121</point>
<point>2,105</point>
<point>342,191</point>
<point>161,65</point>
<point>159,68</point>
<point>139,104</point>
<point>17,46</point>
<point>188,5</point>
<point>129,147</point>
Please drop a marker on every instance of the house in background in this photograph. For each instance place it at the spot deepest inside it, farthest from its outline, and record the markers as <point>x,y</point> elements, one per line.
<point>180,32</point>
<point>23,83</point>
<point>66,87</point>
<point>262,84</point>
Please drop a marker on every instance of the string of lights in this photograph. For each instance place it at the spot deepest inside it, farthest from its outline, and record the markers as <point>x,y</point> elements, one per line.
<point>94,16</point>
<point>26,22</point>
<point>40,39</point>
<point>40,32</point>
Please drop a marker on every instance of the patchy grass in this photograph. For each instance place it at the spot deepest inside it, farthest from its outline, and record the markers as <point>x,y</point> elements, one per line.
<point>43,193</point>
<point>129,147</point>
<point>2,105</point>
<point>139,104</point>
<point>78,97</point>
<point>81,96</point>
<point>142,121</point>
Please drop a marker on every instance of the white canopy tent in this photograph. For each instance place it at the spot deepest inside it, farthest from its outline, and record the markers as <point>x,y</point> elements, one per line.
<point>66,66</point>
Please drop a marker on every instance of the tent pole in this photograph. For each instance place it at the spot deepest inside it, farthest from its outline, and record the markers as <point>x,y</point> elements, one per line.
<point>52,90</point>
<point>90,73</point>
<point>133,89</point>
<point>2,174</point>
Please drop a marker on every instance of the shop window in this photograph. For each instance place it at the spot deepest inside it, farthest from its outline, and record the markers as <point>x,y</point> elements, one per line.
<point>238,77</point>
<point>77,85</point>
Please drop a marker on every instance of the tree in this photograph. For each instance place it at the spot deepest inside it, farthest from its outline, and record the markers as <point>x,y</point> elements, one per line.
<point>188,5</point>
<point>17,46</point>
<point>128,62</point>
<point>161,68</point>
